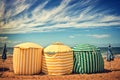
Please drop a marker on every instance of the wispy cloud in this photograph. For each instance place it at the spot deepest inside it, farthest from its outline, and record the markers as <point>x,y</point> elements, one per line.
<point>2,5</point>
<point>16,7</point>
<point>110,18</point>
<point>2,38</point>
<point>60,17</point>
<point>99,35</point>
<point>71,36</point>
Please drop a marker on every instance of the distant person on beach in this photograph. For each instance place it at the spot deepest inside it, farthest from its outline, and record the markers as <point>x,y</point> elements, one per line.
<point>110,56</point>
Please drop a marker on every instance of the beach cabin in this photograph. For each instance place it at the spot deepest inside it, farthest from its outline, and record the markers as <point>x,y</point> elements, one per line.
<point>27,58</point>
<point>57,59</point>
<point>87,59</point>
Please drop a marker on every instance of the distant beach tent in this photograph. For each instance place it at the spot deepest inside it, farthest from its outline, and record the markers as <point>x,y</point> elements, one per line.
<point>57,59</point>
<point>27,58</point>
<point>87,59</point>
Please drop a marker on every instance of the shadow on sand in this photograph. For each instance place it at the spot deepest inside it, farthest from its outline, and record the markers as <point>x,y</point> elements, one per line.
<point>107,71</point>
<point>116,70</point>
<point>4,69</point>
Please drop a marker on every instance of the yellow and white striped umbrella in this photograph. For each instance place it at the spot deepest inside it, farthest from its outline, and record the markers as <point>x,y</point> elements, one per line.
<point>57,59</point>
<point>27,58</point>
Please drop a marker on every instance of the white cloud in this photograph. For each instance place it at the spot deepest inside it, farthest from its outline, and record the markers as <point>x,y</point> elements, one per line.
<point>3,38</point>
<point>110,18</point>
<point>39,8</point>
<point>71,36</point>
<point>2,8</point>
<point>17,7</point>
<point>99,35</point>
<point>59,17</point>
<point>87,30</point>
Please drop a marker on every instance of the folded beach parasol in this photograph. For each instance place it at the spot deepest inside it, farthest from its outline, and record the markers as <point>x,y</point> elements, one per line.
<point>4,55</point>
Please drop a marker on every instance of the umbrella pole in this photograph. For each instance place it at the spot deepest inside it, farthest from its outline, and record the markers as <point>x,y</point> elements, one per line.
<point>110,66</point>
<point>3,65</point>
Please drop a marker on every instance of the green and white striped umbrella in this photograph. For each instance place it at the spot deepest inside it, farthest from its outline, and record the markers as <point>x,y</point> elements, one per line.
<point>87,59</point>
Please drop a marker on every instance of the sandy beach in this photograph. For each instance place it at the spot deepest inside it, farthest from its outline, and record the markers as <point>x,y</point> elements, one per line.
<point>111,72</point>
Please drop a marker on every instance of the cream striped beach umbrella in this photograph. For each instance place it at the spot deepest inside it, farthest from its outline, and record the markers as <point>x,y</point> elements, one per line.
<point>27,58</point>
<point>57,59</point>
<point>87,59</point>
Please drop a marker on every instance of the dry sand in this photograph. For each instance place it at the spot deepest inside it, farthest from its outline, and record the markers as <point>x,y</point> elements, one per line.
<point>111,72</point>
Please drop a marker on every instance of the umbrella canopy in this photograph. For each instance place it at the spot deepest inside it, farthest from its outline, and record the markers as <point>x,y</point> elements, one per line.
<point>4,55</point>
<point>85,47</point>
<point>87,59</point>
<point>57,47</point>
<point>57,59</point>
<point>27,58</point>
<point>28,45</point>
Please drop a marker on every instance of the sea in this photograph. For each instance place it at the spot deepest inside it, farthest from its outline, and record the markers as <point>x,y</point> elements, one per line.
<point>115,50</point>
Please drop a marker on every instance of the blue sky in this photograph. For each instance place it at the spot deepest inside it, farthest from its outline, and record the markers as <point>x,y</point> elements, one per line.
<point>69,21</point>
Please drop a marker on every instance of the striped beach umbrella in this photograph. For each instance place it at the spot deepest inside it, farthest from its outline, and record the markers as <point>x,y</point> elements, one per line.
<point>57,59</point>
<point>4,55</point>
<point>87,59</point>
<point>27,58</point>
